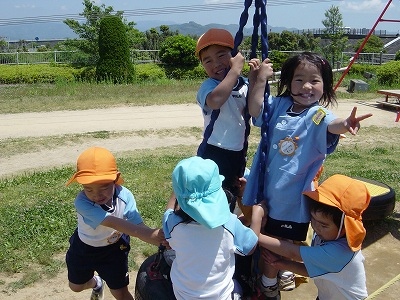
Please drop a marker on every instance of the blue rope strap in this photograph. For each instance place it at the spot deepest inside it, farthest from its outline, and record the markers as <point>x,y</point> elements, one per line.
<point>207,132</point>
<point>260,18</point>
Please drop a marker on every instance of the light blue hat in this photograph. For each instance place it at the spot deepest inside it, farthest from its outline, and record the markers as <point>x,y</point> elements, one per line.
<point>197,186</point>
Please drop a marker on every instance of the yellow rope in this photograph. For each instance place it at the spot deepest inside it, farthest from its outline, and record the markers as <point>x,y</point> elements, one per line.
<point>384,287</point>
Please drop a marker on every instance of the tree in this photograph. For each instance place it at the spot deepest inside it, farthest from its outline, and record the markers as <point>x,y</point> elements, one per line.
<point>334,32</point>
<point>114,55</point>
<point>22,46</point>
<point>288,41</point>
<point>88,31</point>
<point>307,42</point>
<point>135,37</point>
<point>274,40</point>
<point>155,38</point>
<point>373,45</point>
<point>278,58</point>
<point>3,44</point>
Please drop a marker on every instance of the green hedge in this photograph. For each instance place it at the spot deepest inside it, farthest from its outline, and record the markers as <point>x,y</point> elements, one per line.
<point>13,74</point>
<point>149,72</point>
<point>387,74</point>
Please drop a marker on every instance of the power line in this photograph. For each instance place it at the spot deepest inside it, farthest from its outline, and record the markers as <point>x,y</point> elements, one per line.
<point>154,11</point>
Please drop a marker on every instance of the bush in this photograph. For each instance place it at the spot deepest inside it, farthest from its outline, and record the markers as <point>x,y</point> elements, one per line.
<point>397,56</point>
<point>7,58</point>
<point>388,74</point>
<point>114,64</point>
<point>360,69</point>
<point>178,51</point>
<point>86,74</point>
<point>149,72</point>
<point>14,74</point>
<point>185,72</point>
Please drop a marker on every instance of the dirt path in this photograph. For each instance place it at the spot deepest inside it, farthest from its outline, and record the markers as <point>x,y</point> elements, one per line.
<point>381,248</point>
<point>125,119</point>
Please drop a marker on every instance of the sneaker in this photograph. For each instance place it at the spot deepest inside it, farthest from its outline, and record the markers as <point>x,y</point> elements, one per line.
<point>270,292</point>
<point>98,293</point>
<point>236,296</point>
<point>286,282</point>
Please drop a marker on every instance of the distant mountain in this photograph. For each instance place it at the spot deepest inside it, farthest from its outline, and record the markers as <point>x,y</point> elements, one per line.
<point>58,30</point>
<point>195,29</point>
<point>43,31</point>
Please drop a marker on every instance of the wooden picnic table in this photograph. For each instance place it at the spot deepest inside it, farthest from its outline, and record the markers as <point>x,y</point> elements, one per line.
<point>390,93</point>
<point>393,104</point>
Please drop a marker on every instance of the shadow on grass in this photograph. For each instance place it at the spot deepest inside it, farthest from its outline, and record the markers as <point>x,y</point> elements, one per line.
<point>377,229</point>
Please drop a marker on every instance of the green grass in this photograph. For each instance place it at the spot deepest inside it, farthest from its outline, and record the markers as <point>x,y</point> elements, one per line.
<point>37,214</point>
<point>78,96</point>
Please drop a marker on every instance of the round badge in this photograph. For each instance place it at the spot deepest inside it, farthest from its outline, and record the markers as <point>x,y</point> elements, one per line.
<point>287,146</point>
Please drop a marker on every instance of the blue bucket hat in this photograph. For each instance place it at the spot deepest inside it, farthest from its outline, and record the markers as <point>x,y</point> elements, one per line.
<point>197,186</point>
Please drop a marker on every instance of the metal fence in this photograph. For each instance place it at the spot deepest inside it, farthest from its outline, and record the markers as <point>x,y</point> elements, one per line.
<point>152,56</point>
<point>145,56</point>
<point>46,57</point>
<point>67,57</point>
<point>363,58</point>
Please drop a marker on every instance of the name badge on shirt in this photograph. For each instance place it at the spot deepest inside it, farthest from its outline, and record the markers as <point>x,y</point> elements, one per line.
<point>287,146</point>
<point>319,115</point>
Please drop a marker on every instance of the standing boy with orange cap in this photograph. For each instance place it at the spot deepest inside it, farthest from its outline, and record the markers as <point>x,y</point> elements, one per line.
<point>334,260</point>
<point>107,215</point>
<point>222,98</point>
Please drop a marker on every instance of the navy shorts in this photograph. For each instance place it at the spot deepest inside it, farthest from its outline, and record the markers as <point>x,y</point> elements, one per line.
<point>231,164</point>
<point>110,262</point>
<point>286,229</point>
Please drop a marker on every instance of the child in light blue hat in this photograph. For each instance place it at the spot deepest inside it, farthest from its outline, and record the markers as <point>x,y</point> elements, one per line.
<point>203,232</point>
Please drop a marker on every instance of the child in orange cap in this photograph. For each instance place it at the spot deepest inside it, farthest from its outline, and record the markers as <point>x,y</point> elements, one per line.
<point>334,260</point>
<point>222,98</point>
<point>107,215</point>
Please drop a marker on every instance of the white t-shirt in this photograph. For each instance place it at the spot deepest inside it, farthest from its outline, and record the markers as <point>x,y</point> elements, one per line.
<point>205,258</point>
<point>229,129</point>
<point>337,271</point>
<point>91,214</point>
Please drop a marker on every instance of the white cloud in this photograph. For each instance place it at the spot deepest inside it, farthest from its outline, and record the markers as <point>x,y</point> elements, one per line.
<point>364,6</point>
<point>25,6</point>
<point>218,1</point>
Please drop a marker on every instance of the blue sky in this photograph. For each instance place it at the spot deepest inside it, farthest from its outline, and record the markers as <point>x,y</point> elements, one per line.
<point>309,14</point>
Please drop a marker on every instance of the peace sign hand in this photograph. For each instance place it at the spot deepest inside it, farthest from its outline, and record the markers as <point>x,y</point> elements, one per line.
<point>352,123</point>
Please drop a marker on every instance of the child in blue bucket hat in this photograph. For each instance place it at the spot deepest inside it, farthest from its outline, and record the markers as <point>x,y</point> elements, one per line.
<point>203,232</point>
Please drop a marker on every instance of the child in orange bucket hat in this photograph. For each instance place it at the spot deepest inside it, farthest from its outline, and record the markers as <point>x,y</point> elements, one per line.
<point>334,261</point>
<point>107,217</point>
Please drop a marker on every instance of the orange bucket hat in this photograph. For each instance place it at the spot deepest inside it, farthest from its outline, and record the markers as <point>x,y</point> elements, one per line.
<point>214,36</point>
<point>96,164</point>
<point>352,197</point>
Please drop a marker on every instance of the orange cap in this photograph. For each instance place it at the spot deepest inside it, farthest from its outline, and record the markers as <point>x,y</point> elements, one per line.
<point>214,36</point>
<point>352,197</point>
<point>96,164</point>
